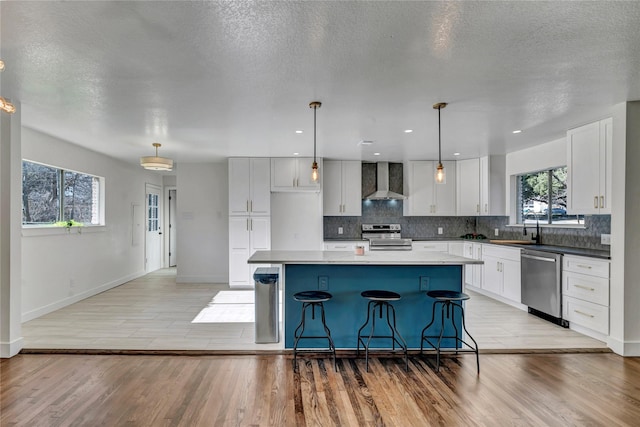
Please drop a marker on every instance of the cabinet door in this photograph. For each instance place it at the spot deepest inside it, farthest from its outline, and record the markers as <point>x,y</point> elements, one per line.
<point>260,175</point>
<point>492,275</point>
<point>351,187</point>
<point>445,193</point>
<point>484,185</point>
<point>239,186</point>
<point>511,280</point>
<point>421,177</point>
<point>332,190</point>
<point>260,230</point>
<point>283,174</point>
<point>606,165</point>
<point>239,251</point>
<point>583,171</point>
<point>478,270</point>
<point>468,185</point>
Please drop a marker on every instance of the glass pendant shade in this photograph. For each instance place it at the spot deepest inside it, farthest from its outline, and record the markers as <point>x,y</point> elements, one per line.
<point>441,178</point>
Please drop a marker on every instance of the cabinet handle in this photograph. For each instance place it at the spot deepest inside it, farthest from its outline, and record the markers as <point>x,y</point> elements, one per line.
<point>585,287</point>
<point>247,206</point>
<point>250,205</point>
<point>251,222</point>
<point>595,202</point>
<point>588,267</point>
<point>247,224</point>
<point>486,207</point>
<point>478,208</point>
<point>601,201</point>
<point>583,313</point>
<point>297,182</point>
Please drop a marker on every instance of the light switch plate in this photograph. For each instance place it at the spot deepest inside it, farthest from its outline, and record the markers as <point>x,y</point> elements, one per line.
<point>323,283</point>
<point>605,239</point>
<point>424,283</point>
<point>439,230</point>
<point>496,231</point>
<point>340,230</point>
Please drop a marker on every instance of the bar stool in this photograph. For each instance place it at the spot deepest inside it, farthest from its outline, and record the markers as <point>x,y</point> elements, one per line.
<point>312,299</point>
<point>379,300</point>
<point>448,301</point>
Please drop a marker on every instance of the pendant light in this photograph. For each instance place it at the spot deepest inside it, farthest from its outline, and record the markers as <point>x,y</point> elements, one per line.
<point>440,175</point>
<point>156,163</point>
<point>315,175</point>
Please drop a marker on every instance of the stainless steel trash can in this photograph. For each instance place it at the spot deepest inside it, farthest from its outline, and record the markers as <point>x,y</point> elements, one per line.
<point>266,305</point>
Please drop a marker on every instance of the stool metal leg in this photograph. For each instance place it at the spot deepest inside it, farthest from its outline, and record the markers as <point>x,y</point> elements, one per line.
<point>299,332</point>
<point>395,336</point>
<point>297,335</point>
<point>475,346</point>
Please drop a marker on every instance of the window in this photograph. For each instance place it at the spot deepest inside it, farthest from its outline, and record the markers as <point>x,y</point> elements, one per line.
<point>542,197</point>
<point>51,195</point>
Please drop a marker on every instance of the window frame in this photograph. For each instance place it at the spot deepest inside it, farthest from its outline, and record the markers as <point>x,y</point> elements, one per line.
<point>54,226</point>
<point>517,215</point>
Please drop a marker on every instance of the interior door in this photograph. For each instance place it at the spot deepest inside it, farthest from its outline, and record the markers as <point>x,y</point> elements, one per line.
<point>153,235</point>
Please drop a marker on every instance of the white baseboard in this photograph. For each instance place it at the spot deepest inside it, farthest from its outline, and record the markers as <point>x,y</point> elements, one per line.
<point>33,314</point>
<point>624,348</point>
<point>182,278</point>
<point>10,349</point>
<point>589,332</point>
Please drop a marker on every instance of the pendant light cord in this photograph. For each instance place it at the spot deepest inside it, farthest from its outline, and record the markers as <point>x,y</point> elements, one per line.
<point>315,109</point>
<point>439,138</point>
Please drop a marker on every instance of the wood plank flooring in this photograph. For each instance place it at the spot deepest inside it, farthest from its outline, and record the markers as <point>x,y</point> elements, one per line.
<point>598,389</point>
<point>155,313</point>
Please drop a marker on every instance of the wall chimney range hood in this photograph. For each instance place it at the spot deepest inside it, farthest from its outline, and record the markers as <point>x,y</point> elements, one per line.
<point>382,187</point>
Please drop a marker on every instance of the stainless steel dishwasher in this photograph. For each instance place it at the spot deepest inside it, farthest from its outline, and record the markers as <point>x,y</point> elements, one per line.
<point>542,284</point>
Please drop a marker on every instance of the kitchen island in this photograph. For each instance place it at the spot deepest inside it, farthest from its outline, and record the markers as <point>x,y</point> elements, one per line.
<point>345,275</point>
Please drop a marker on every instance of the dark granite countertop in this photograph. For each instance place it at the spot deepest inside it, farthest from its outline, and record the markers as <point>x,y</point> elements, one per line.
<point>566,250</point>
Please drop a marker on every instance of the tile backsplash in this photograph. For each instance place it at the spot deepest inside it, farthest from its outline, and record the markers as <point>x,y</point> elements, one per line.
<point>426,227</point>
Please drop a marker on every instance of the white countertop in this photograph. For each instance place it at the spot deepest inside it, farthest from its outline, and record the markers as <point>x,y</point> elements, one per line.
<point>350,258</point>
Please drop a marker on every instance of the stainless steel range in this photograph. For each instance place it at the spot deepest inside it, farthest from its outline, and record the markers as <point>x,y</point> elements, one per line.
<point>385,237</point>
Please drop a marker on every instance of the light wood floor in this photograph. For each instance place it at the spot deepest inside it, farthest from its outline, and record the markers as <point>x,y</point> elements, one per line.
<point>155,313</point>
<point>597,389</point>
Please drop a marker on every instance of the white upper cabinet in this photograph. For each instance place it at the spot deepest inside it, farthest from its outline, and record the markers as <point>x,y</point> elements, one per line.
<point>468,187</point>
<point>249,191</point>
<point>481,186</point>
<point>424,196</point>
<point>293,174</point>
<point>589,166</point>
<point>342,188</point>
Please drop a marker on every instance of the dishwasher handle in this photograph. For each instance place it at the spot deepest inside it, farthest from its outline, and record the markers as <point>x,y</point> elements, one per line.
<point>538,258</point>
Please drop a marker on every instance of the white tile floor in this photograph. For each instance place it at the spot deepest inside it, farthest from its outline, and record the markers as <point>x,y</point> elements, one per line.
<point>155,313</point>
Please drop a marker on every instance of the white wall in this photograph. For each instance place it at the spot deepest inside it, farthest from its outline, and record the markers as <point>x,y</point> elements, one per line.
<point>296,221</point>
<point>64,267</point>
<point>202,223</point>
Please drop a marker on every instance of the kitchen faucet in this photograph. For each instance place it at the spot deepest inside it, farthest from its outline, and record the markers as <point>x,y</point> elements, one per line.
<point>537,236</point>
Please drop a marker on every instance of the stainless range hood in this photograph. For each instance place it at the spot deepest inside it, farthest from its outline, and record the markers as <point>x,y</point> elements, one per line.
<point>382,188</point>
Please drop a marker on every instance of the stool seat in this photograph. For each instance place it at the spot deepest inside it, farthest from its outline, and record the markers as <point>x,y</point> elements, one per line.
<point>312,296</point>
<point>381,295</point>
<point>448,295</point>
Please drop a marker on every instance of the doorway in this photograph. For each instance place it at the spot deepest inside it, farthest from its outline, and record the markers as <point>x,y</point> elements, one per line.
<point>153,235</point>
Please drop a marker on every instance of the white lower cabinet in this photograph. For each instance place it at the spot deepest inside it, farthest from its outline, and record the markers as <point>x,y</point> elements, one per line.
<point>473,274</point>
<point>502,272</point>
<point>246,235</point>
<point>585,293</point>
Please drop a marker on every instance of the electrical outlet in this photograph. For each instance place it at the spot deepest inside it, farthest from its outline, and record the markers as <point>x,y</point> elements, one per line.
<point>496,232</point>
<point>340,230</point>
<point>439,230</point>
<point>424,283</point>
<point>323,283</point>
<point>605,239</point>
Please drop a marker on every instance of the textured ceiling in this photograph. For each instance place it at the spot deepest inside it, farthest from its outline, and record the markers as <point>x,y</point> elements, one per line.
<point>210,80</point>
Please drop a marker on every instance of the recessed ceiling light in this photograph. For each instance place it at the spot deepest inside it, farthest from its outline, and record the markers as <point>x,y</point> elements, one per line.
<point>376,154</point>
<point>365,142</point>
<point>517,131</point>
<point>456,154</point>
<point>298,131</point>
<point>296,154</point>
<point>408,130</point>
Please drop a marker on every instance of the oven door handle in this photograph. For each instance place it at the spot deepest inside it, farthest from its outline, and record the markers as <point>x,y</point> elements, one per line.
<point>538,258</point>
